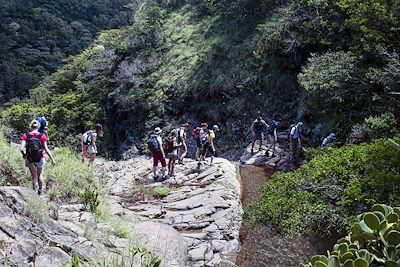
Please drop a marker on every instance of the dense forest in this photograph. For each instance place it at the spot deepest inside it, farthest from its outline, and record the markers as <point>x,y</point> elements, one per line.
<point>36,35</point>
<point>332,62</point>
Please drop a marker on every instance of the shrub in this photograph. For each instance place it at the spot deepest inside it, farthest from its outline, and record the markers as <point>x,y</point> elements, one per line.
<point>161,192</point>
<point>374,240</point>
<point>380,126</point>
<point>90,199</point>
<point>326,193</point>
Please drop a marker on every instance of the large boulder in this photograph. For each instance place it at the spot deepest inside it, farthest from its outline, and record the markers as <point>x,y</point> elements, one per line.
<point>164,241</point>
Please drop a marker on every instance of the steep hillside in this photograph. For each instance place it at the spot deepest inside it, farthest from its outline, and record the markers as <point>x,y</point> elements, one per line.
<point>224,62</point>
<point>36,35</point>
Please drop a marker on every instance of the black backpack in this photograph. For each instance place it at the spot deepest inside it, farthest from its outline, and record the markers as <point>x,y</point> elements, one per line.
<point>34,148</point>
<point>153,144</point>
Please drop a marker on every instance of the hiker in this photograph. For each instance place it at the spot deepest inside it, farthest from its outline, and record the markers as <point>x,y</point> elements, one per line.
<point>328,140</point>
<point>173,146</point>
<point>272,136</point>
<point>257,127</point>
<point>33,149</point>
<point>43,123</point>
<point>209,145</point>
<point>88,143</point>
<point>157,150</point>
<point>182,140</point>
<point>196,137</point>
<point>295,141</point>
<point>204,139</point>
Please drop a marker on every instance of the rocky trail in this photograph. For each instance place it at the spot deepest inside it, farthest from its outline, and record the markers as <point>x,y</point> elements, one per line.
<point>191,219</point>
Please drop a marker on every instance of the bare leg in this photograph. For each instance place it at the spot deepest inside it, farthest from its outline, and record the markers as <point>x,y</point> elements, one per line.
<point>40,179</point>
<point>154,170</point>
<point>34,174</point>
<point>91,159</point>
<point>163,171</point>
<point>172,161</point>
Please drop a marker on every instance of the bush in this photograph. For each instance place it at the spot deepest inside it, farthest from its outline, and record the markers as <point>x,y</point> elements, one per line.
<point>374,241</point>
<point>161,192</point>
<point>326,193</point>
<point>380,126</point>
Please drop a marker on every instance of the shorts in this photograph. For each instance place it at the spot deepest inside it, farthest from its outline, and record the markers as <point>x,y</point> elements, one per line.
<point>208,147</point>
<point>183,147</point>
<point>39,164</point>
<point>158,157</point>
<point>90,149</point>
<point>258,136</point>
<point>173,154</point>
<point>198,144</point>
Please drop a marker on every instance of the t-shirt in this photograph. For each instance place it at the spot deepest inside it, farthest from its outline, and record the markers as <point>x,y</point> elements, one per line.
<point>43,124</point>
<point>182,134</point>
<point>159,140</point>
<point>204,135</point>
<point>259,126</point>
<point>295,132</point>
<point>43,139</point>
<point>211,137</point>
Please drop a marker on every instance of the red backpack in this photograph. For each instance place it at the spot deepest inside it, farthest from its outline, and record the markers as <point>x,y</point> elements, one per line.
<point>196,133</point>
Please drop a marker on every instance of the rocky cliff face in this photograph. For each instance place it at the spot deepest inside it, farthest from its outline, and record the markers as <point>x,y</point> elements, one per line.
<point>196,224</point>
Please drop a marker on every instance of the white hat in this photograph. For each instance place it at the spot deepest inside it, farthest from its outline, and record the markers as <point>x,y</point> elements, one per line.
<point>157,130</point>
<point>215,128</point>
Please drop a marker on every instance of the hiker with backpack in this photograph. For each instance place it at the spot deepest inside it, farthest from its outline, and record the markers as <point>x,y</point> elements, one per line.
<point>172,147</point>
<point>182,139</point>
<point>329,140</point>
<point>196,137</point>
<point>204,139</point>
<point>43,123</point>
<point>34,148</point>
<point>272,136</point>
<point>209,145</point>
<point>258,127</point>
<point>158,153</point>
<point>295,141</point>
<point>88,143</point>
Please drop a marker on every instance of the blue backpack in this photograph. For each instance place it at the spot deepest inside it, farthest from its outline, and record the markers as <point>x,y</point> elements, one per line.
<point>273,125</point>
<point>153,143</point>
<point>43,124</point>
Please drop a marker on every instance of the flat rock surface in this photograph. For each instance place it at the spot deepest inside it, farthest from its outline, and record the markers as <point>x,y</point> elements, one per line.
<point>203,205</point>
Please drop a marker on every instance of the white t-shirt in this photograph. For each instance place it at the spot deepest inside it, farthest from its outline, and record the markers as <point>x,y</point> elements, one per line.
<point>295,132</point>
<point>159,140</point>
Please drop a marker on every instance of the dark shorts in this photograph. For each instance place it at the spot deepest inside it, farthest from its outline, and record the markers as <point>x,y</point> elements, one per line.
<point>208,147</point>
<point>158,157</point>
<point>198,144</point>
<point>258,136</point>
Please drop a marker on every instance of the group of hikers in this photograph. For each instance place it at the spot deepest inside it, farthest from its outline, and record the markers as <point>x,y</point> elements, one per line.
<point>174,147</point>
<point>260,128</point>
<point>34,148</point>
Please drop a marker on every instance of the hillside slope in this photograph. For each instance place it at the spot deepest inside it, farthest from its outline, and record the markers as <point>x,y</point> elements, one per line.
<point>319,61</point>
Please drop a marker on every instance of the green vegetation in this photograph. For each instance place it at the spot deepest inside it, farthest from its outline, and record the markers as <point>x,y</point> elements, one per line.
<point>36,210</point>
<point>12,171</point>
<point>103,215</point>
<point>90,199</point>
<point>136,256</point>
<point>326,193</point>
<point>161,192</point>
<point>68,177</point>
<point>37,35</point>
<point>374,240</point>
<point>214,58</point>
